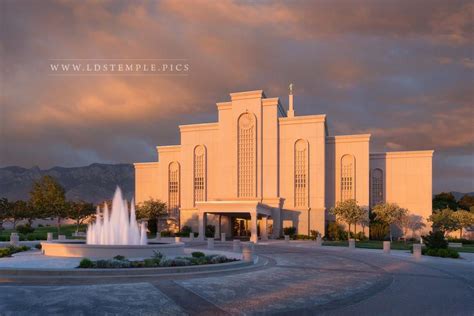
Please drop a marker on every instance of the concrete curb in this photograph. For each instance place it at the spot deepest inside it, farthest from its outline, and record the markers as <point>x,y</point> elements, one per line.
<point>124,271</point>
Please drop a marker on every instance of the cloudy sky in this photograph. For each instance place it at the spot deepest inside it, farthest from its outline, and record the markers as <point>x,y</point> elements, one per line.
<point>400,70</point>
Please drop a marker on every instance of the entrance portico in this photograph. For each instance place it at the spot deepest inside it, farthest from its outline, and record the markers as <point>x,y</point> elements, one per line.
<point>243,208</point>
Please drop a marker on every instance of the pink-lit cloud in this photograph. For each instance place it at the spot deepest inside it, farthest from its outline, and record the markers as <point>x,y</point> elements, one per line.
<point>401,70</point>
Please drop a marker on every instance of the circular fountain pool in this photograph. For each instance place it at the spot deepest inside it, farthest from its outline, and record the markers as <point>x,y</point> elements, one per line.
<point>114,232</point>
<point>80,249</point>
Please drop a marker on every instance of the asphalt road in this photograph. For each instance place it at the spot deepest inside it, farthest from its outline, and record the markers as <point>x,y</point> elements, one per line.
<point>291,279</point>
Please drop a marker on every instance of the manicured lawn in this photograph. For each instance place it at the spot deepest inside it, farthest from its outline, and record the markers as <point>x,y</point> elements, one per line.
<point>41,232</point>
<point>370,244</point>
<point>466,248</point>
<point>396,245</point>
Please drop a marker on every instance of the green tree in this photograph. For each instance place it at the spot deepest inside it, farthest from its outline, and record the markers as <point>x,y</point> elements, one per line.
<point>80,211</point>
<point>4,211</point>
<point>390,214</point>
<point>19,210</point>
<point>48,198</point>
<point>152,210</point>
<point>444,200</point>
<point>349,212</point>
<point>443,220</point>
<point>466,202</point>
<point>463,219</point>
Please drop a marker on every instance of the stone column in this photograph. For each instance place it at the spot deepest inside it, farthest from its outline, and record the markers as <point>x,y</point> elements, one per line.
<point>236,245</point>
<point>49,237</point>
<point>191,236</point>
<point>210,243</point>
<point>417,251</point>
<point>386,247</point>
<point>264,228</point>
<point>253,227</point>
<point>352,243</point>
<point>202,226</point>
<point>14,239</point>
<point>247,252</point>
<point>177,239</point>
<point>287,238</point>
<point>222,237</point>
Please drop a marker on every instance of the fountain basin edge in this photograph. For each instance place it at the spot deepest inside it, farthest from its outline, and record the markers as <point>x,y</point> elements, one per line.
<point>82,250</point>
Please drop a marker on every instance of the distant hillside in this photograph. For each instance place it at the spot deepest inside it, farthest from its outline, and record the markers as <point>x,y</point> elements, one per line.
<point>93,183</point>
<point>459,195</point>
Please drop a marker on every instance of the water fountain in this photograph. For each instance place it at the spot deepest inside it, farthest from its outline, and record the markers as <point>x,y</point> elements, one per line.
<point>114,232</point>
<point>118,227</point>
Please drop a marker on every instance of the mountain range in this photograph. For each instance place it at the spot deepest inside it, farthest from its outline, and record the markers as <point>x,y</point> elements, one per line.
<point>94,183</point>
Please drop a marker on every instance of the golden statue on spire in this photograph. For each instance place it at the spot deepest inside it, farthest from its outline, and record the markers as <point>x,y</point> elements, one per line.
<point>291,88</point>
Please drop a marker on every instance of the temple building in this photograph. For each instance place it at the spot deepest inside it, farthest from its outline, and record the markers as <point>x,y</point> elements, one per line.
<point>259,169</point>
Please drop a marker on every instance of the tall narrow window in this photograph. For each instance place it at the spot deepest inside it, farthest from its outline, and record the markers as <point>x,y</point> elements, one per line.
<point>347,177</point>
<point>173,189</point>
<point>199,173</point>
<point>377,186</point>
<point>301,173</point>
<point>246,155</point>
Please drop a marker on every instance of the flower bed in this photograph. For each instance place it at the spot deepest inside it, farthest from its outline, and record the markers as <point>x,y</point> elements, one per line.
<point>158,260</point>
<point>10,250</point>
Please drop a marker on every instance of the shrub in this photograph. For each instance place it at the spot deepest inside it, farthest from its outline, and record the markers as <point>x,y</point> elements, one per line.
<point>186,230</point>
<point>86,263</point>
<point>137,264</point>
<point>25,229</point>
<point>178,262</point>
<point>38,246</point>
<point>157,255</point>
<point>166,233</point>
<point>291,231</point>
<point>210,231</point>
<point>218,259</point>
<point>441,252</point>
<point>360,236</point>
<point>30,237</point>
<point>335,231</point>
<point>40,225</point>
<point>149,263</point>
<point>156,261</point>
<point>435,240</point>
<point>165,263</point>
<point>314,234</point>
<point>198,261</point>
<point>197,254</point>
<point>102,264</point>
<point>119,257</point>
<point>378,231</point>
<point>10,250</point>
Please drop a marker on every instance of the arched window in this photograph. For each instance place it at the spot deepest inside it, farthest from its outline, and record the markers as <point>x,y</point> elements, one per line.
<point>377,186</point>
<point>199,173</point>
<point>173,189</point>
<point>347,177</point>
<point>301,173</point>
<point>247,155</point>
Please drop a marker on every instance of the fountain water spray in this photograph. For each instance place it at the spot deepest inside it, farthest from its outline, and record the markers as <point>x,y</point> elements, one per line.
<point>117,226</point>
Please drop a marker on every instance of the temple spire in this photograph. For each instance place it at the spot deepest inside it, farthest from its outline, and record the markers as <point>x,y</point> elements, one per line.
<point>291,110</point>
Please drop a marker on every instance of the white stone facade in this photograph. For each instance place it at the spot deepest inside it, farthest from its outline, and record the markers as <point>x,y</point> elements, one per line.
<point>258,170</point>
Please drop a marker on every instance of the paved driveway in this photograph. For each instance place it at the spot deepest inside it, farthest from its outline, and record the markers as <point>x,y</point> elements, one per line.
<point>297,279</point>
